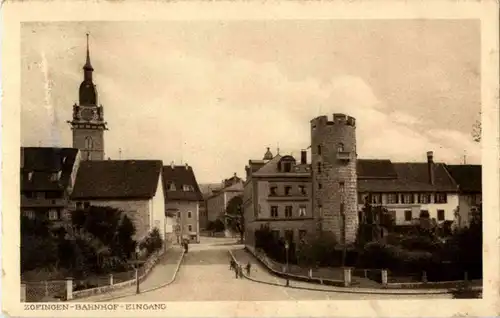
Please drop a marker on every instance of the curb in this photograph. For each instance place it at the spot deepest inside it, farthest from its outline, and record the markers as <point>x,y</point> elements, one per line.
<point>359,290</point>
<point>181,258</point>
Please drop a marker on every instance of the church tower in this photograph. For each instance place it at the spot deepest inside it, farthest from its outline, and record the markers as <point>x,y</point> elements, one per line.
<point>88,123</point>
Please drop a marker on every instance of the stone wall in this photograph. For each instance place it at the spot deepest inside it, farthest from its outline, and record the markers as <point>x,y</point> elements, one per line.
<point>334,179</point>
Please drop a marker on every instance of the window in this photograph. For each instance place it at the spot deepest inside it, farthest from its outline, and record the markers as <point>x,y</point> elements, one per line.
<point>86,205</point>
<point>320,186</point>
<point>171,186</point>
<point>408,198</point>
<point>178,214</point>
<point>289,235</point>
<point>319,167</point>
<point>340,147</point>
<point>302,235</point>
<point>79,205</point>
<point>288,211</point>
<point>40,195</point>
<point>64,160</point>
<point>30,175</point>
<point>408,215</point>
<point>392,198</point>
<point>189,214</point>
<point>362,198</point>
<point>319,149</point>
<point>342,208</point>
<point>288,190</point>
<point>55,176</point>
<point>53,215</point>
<point>187,187</point>
<point>302,189</point>
<point>341,187</point>
<point>440,198</point>
<point>273,190</point>
<point>30,214</point>
<point>274,211</point>
<point>89,143</point>
<point>424,214</point>
<point>287,167</point>
<point>276,234</point>
<point>440,215</point>
<point>376,198</point>
<point>320,209</point>
<point>302,210</point>
<point>424,198</point>
<point>190,228</point>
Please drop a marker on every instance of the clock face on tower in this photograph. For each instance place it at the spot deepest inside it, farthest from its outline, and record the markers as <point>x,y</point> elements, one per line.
<point>87,114</point>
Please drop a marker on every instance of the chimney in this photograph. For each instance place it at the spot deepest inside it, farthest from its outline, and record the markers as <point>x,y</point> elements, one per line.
<point>187,166</point>
<point>172,165</point>
<point>303,157</point>
<point>430,166</point>
<point>235,175</point>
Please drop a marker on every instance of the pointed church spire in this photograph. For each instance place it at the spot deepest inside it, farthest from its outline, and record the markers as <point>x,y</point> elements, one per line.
<point>88,66</point>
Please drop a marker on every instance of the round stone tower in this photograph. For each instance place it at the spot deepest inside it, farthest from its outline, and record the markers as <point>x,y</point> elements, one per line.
<point>334,178</point>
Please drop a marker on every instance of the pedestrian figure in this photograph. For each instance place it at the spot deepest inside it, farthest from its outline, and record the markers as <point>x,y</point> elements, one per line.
<point>236,271</point>
<point>240,270</point>
<point>231,264</point>
<point>249,267</point>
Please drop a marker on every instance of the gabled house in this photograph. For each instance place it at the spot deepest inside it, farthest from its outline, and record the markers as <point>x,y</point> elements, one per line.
<point>278,193</point>
<point>47,180</point>
<point>218,200</point>
<point>133,186</point>
<point>182,201</point>
<point>469,180</point>
<point>409,190</point>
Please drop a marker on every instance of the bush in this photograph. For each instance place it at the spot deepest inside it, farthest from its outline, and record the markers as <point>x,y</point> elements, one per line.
<point>152,242</point>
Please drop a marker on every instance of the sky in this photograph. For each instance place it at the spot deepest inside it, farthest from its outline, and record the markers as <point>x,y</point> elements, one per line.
<point>214,94</point>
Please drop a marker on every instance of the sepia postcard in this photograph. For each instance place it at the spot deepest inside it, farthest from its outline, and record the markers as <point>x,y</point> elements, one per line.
<point>250,159</point>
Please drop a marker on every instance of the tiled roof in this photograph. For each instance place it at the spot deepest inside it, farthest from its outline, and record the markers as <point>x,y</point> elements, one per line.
<point>375,168</point>
<point>42,162</point>
<point>410,177</point>
<point>181,176</point>
<point>117,179</point>
<point>468,177</point>
<point>271,166</point>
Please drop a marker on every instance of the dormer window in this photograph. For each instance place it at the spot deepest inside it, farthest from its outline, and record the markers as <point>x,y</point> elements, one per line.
<point>287,167</point>
<point>30,176</point>
<point>64,160</point>
<point>187,187</point>
<point>171,186</point>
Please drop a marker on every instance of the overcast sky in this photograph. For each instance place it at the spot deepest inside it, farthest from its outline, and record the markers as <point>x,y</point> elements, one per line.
<point>216,94</point>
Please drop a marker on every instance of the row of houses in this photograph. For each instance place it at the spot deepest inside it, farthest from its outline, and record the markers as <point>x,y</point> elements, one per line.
<point>327,188</point>
<point>56,181</point>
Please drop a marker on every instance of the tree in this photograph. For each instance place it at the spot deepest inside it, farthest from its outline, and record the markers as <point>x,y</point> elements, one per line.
<point>477,130</point>
<point>234,215</point>
<point>376,221</point>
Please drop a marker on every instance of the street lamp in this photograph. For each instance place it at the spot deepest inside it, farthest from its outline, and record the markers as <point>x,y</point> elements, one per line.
<point>287,246</point>
<point>137,291</point>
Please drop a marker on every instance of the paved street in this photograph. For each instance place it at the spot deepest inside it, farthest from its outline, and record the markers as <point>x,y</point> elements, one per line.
<point>205,276</point>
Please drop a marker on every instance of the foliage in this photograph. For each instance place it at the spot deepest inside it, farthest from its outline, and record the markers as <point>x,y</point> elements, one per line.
<point>234,215</point>
<point>99,241</point>
<point>274,246</point>
<point>477,130</point>
<point>152,242</point>
<point>216,226</point>
<point>376,221</point>
<point>318,250</point>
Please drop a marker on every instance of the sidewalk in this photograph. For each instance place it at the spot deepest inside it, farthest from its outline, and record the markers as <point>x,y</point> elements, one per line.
<point>162,274</point>
<point>260,274</point>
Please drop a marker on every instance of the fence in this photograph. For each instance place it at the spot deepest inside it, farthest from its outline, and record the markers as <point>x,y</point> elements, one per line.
<point>360,276</point>
<point>44,291</point>
<point>60,290</point>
